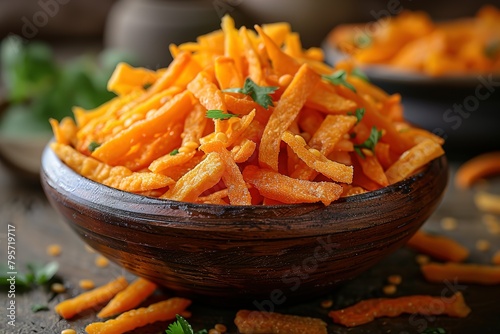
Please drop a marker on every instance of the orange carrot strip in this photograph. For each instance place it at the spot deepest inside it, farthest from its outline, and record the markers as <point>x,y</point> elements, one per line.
<point>317,161</point>
<point>463,272</point>
<point>487,202</point>
<point>71,307</point>
<point>207,92</point>
<point>496,258</point>
<point>64,131</point>
<point>281,62</point>
<point>481,166</point>
<point>128,298</point>
<point>172,73</point>
<point>256,322</point>
<point>367,310</point>
<point>170,113</point>
<point>244,151</point>
<point>227,74</point>
<point>118,177</point>
<point>327,100</point>
<point>126,78</point>
<point>410,161</point>
<point>372,169</point>
<point>284,114</point>
<point>203,176</point>
<point>232,44</point>
<point>439,247</point>
<point>237,190</point>
<point>254,65</point>
<point>130,320</point>
<point>288,190</point>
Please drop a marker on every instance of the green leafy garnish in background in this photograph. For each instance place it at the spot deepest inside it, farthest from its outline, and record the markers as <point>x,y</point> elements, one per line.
<point>357,72</point>
<point>370,143</point>
<point>219,114</point>
<point>174,152</point>
<point>259,94</point>
<point>339,78</point>
<point>39,307</point>
<point>38,87</point>
<point>359,113</point>
<point>181,326</point>
<point>36,274</point>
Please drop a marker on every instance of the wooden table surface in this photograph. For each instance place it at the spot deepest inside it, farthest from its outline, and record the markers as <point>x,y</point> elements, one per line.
<point>37,225</point>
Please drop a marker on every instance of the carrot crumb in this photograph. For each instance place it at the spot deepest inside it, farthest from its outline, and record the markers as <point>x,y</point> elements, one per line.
<point>389,289</point>
<point>54,250</point>
<point>86,284</point>
<point>422,259</point>
<point>394,279</point>
<point>68,331</point>
<point>449,223</point>
<point>101,261</point>
<point>327,303</point>
<point>483,245</point>
<point>57,288</point>
<point>221,328</point>
<point>213,331</point>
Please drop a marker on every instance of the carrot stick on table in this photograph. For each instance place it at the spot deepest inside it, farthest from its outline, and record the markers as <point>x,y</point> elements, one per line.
<point>129,298</point>
<point>367,310</point>
<point>481,166</point>
<point>439,247</point>
<point>463,272</point>
<point>70,307</point>
<point>130,320</point>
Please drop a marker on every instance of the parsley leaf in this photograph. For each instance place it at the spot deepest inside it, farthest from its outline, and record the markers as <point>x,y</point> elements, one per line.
<point>362,40</point>
<point>339,78</point>
<point>174,152</point>
<point>43,274</point>
<point>370,143</point>
<point>181,326</point>
<point>259,94</point>
<point>219,114</point>
<point>39,307</point>
<point>492,49</point>
<point>357,72</point>
<point>93,146</point>
<point>360,112</point>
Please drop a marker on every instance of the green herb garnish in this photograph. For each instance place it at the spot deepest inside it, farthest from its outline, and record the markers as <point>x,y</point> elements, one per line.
<point>339,78</point>
<point>36,275</point>
<point>370,143</point>
<point>181,326</point>
<point>492,49</point>
<point>146,85</point>
<point>39,307</point>
<point>362,40</point>
<point>360,112</point>
<point>93,146</point>
<point>174,152</point>
<point>219,114</point>
<point>258,93</point>
<point>357,72</point>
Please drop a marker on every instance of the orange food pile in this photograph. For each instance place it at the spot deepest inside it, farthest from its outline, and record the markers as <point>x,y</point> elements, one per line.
<point>412,41</point>
<point>245,117</point>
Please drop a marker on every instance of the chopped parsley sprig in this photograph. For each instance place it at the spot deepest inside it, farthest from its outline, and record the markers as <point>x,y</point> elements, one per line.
<point>339,78</point>
<point>370,143</point>
<point>219,114</point>
<point>181,326</point>
<point>260,94</point>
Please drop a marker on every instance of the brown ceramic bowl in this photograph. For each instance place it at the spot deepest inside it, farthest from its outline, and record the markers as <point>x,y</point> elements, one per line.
<point>267,252</point>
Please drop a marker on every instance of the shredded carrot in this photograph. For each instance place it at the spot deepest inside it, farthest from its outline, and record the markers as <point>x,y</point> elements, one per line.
<point>463,272</point>
<point>479,167</point>
<point>367,310</point>
<point>260,102</point>
<point>130,320</point>
<point>128,298</point>
<point>255,322</point>
<point>71,307</point>
<point>439,247</point>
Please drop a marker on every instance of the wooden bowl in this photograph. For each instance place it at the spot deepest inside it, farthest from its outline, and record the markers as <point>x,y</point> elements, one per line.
<point>244,252</point>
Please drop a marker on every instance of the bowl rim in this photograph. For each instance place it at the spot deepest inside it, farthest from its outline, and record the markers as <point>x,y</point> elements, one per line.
<point>57,176</point>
